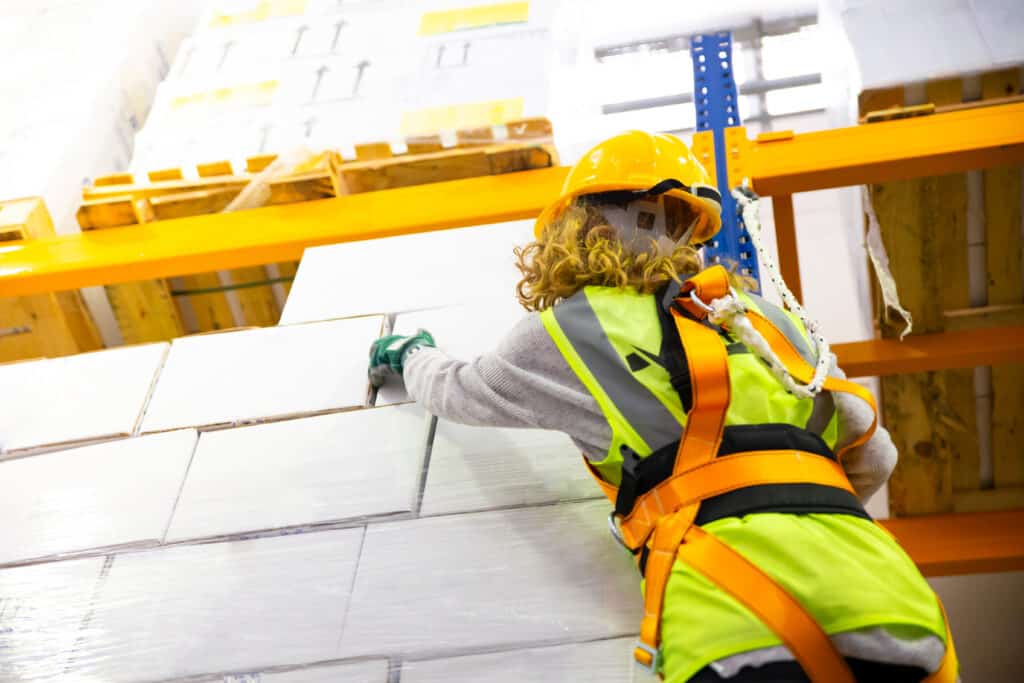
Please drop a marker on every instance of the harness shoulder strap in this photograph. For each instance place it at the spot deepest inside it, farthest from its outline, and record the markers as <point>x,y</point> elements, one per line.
<point>799,368</point>
<point>696,473</point>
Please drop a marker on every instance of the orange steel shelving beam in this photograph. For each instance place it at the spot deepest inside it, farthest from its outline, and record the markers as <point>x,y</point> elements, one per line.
<point>962,542</point>
<point>777,164</point>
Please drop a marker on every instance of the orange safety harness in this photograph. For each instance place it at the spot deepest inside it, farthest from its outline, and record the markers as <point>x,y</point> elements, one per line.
<point>662,520</point>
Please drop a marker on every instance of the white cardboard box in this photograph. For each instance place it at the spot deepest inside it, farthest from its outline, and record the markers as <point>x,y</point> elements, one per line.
<point>307,471</point>
<point>110,494</point>
<point>374,671</point>
<point>76,398</point>
<point>239,606</point>
<point>41,612</point>
<point>600,661</point>
<point>434,586</point>
<point>406,273</point>
<point>463,332</point>
<point>477,468</point>
<point>253,375</point>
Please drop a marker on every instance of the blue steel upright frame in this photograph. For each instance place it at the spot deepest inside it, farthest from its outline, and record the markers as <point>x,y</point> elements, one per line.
<point>717,101</point>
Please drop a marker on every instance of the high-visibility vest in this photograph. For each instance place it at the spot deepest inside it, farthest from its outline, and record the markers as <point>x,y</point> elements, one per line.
<point>656,367</point>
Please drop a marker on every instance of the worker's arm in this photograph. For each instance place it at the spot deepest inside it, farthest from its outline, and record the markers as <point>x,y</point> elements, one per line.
<point>868,466</point>
<point>524,382</point>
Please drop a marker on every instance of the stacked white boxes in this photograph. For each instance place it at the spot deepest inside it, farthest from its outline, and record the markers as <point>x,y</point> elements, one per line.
<point>239,507</point>
<point>74,99</point>
<point>267,76</point>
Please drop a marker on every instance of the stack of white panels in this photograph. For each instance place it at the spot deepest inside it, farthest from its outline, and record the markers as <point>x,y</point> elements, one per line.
<point>109,495</point>
<point>303,472</point>
<point>266,76</point>
<point>407,273</point>
<point>77,398</point>
<point>235,606</point>
<point>265,373</point>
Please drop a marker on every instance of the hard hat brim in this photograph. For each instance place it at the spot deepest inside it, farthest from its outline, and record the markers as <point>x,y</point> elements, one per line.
<point>706,202</point>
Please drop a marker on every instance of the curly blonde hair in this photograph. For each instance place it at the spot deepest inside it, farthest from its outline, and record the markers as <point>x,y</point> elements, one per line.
<point>580,249</point>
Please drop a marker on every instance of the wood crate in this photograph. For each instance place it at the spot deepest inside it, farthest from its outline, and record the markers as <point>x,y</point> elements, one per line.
<point>158,309</point>
<point>943,234</point>
<point>41,325</point>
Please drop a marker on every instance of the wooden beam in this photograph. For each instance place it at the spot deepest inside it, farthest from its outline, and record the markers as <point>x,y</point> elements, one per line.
<point>1002,190</point>
<point>930,415</point>
<point>52,323</point>
<point>963,543</point>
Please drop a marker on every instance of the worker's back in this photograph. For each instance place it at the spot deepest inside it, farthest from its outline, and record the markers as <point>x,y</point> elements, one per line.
<point>816,541</point>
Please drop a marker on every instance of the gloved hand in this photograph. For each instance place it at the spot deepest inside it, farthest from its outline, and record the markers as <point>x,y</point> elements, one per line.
<point>388,354</point>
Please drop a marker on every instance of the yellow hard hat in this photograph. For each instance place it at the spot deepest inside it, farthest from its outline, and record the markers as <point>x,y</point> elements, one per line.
<point>638,164</point>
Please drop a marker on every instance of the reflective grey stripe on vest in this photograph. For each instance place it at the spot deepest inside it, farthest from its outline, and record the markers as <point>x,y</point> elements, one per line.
<point>642,409</point>
<point>779,318</point>
<point>824,404</point>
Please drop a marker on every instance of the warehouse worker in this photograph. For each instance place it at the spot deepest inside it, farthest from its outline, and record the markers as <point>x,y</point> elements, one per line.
<point>735,454</point>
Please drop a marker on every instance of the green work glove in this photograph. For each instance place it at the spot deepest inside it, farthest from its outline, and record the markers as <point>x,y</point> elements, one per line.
<point>388,354</point>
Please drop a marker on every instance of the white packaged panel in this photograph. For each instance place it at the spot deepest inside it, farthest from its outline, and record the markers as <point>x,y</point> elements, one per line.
<point>307,471</point>
<point>910,41</point>
<point>464,332</point>
<point>110,494</point>
<point>406,273</point>
<point>240,606</point>
<point>492,579</point>
<point>258,374</point>
<point>477,468</point>
<point>600,661</point>
<point>41,611</point>
<point>75,398</point>
<point>372,671</point>
<point>359,672</point>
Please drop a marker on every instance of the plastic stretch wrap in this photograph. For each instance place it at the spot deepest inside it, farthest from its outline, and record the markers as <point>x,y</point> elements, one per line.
<point>73,114</point>
<point>286,529</point>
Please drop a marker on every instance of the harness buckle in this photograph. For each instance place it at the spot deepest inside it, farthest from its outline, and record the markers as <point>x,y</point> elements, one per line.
<point>699,303</point>
<point>655,654</point>
<point>613,527</point>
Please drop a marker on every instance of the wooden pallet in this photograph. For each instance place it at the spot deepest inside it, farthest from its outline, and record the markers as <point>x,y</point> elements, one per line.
<point>41,325</point>
<point>932,415</point>
<point>156,310</point>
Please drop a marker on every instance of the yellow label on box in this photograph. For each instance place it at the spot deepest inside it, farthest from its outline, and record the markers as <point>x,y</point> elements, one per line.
<point>247,95</point>
<point>260,11</point>
<point>449,21</point>
<point>462,116</point>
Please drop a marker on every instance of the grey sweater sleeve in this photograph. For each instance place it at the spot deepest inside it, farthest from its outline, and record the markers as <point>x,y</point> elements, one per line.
<point>869,465</point>
<point>525,382</point>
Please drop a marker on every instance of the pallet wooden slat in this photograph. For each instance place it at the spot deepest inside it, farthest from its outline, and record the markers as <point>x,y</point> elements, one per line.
<point>932,416</point>
<point>1002,188</point>
<point>41,325</point>
<point>247,296</point>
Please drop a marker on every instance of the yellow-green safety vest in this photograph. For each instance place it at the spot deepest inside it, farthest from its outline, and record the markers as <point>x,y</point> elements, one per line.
<point>844,569</point>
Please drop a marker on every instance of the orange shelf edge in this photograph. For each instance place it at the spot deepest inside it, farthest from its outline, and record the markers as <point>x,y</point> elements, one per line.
<point>269,234</point>
<point>890,150</point>
<point>963,542</point>
<point>940,351</point>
